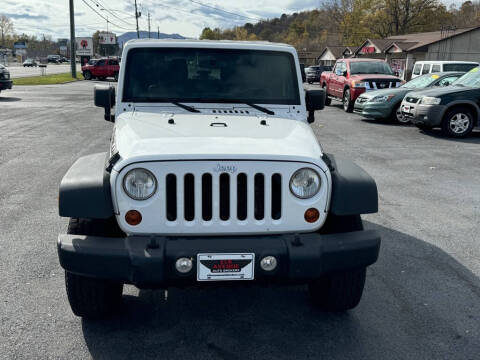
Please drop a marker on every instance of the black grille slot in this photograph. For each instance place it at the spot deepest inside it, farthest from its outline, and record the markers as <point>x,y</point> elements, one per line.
<point>276,196</point>
<point>207,197</point>
<point>259,196</point>
<point>242,196</point>
<point>224,197</point>
<point>171,196</point>
<point>189,197</point>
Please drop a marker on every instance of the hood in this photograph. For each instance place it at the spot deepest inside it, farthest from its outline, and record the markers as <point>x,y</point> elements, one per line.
<point>143,136</point>
<point>439,91</point>
<point>393,91</point>
<point>373,76</point>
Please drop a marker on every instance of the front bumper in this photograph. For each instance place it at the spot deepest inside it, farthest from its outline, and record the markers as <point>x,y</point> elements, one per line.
<point>430,115</point>
<point>5,84</point>
<point>134,260</point>
<point>373,110</point>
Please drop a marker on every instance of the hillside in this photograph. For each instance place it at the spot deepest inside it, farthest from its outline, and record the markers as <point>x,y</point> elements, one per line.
<point>144,34</point>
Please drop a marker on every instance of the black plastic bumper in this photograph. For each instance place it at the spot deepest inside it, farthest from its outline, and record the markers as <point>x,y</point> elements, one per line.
<point>133,260</point>
<point>5,84</point>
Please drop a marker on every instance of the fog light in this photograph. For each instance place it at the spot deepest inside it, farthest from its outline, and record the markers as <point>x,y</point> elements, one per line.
<point>312,215</point>
<point>183,265</point>
<point>133,217</point>
<point>268,263</point>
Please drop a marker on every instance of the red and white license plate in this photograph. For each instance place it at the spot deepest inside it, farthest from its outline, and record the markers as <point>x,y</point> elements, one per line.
<point>221,267</point>
<point>406,108</point>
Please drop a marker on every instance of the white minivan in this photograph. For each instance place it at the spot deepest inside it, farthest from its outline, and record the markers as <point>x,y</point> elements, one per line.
<point>425,67</point>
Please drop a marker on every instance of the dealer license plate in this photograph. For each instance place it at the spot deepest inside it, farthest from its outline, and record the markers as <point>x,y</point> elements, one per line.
<point>406,109</point>
<point>221,267</point>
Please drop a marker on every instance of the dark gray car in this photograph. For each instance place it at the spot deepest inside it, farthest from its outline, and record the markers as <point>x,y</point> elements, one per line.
<point>385,103</point>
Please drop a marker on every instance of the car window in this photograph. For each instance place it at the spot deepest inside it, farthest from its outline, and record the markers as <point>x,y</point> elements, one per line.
<point>421,81</point>
<point>458,67</point>
<point>447,81</point>
<point>112,62</point>
<point>436,68</point>
<point>339,68</point>
<point>416,69</point>
<point>100,63</point>
<point>370,67</point>
<point>426,69</point>
<point>470,79</point>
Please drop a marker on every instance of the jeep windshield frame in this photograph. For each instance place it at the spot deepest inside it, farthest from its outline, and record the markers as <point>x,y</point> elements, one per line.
<point>210,75</point>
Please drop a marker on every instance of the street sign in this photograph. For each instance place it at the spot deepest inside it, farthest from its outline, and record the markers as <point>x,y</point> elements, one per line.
<point>20,45</point>
<point>107,38</point>
<point>84,46</point>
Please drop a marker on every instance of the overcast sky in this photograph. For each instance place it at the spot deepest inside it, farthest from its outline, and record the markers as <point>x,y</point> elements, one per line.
<point>185,17</point>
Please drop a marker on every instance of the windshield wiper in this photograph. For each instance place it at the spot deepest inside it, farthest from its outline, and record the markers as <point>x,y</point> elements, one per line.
<point>261,108</point>
<point>186,107</point>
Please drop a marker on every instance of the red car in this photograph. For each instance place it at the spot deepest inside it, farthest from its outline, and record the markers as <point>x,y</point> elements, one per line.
<point>101,69</point>
<point>352,77</point>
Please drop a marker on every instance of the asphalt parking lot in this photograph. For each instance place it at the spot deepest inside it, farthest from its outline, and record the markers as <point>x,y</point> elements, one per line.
<point>18,71</point>
<point>421,301</point>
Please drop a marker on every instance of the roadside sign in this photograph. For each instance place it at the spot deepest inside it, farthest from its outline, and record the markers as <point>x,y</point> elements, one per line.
<point>20,45</point>
<point>84,46</point>
<point>107,38</point>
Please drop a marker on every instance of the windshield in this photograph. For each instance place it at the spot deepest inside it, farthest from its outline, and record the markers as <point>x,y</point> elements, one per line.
<point>210,75</point>
<point>421,81</point>
<point>370,67</point>
<point>470,79</point>
<point>458,67</point>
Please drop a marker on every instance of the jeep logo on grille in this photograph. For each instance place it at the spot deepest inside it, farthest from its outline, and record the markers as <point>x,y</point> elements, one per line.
<point>225,168</point>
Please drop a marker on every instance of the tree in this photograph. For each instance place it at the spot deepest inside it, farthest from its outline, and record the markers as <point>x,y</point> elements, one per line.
<point>6,27</point>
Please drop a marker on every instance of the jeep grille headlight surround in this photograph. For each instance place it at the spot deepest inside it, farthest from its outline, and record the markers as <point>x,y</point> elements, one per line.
<point>429,100</point>
<point>305,183</point>
<point>139,184</point>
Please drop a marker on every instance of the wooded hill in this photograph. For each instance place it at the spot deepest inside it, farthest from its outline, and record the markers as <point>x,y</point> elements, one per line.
<point>350,22</point>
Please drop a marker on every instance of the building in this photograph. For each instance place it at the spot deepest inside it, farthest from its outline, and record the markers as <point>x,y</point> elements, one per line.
<point>402,51</point>
<point>331,53</point>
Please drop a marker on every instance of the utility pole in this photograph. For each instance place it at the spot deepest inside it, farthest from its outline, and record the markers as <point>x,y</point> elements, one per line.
<point>149,25</point>
<point>158,32</point>
<point>137,15</point>
<point>73,65</point>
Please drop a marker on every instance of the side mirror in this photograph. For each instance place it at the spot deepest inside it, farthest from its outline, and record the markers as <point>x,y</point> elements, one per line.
<point>104,96</point>
<point>446,83</point>
<point>315,100</point>
<point>345,73</point>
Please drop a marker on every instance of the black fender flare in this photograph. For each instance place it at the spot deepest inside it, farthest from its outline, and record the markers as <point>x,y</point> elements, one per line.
<point>354,191</point>
<point>85,189</point>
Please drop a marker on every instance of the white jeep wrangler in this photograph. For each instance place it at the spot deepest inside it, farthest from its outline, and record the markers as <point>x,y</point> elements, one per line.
<point>213,175</point>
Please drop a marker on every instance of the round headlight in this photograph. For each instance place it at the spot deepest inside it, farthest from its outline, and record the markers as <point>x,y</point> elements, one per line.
<point>305,183</point>
<point>139,184</point>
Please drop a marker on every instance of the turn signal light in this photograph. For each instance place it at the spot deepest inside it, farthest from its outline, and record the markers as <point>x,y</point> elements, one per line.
<point>312,215</point>
<point>133,217</point>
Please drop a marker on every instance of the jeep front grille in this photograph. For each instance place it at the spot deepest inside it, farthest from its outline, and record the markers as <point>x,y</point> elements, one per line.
<point>246,191</point>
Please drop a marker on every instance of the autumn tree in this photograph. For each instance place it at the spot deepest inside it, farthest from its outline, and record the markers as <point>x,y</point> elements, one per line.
<point>6,27</point>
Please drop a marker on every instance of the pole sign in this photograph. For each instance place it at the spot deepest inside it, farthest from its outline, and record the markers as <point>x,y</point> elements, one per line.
<point>84,46</point>
<point>107,38</point>
<point>20,45</point>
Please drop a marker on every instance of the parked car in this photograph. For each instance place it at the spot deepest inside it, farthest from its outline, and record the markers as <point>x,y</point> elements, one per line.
<point>5,82</point>
<point>54,59</point>
<point>205,185</point>
<point>313,73</point>
<point>352,77</point>
<point>426,67</point>
<point>385,104</point>
<point>30,63</point>
<point>455,108</point>
<point>101,69</point>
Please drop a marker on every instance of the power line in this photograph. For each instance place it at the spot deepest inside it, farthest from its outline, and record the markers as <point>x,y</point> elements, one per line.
<point>101,5</point>
<point>96,12</point>
<point>225,11</point>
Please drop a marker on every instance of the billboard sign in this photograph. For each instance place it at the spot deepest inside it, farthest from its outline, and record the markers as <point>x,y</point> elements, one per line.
<point>84,46</point>
<point>20,45</point>
<point>107,38</point>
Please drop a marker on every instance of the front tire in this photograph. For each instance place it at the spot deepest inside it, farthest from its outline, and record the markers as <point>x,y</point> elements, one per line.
<point>347,102</point>
<point>87,75</point>
<point>342,290</point>
<point>328,101</point>
<point>458,122</point>
<point>399,117</point>
<point>91,297</point>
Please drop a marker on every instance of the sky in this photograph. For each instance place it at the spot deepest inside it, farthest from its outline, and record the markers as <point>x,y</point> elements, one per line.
<point>184,17</point>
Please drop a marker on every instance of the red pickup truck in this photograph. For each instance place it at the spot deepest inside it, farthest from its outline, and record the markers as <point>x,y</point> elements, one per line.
<point>351,77</point>
<point>101,69</point>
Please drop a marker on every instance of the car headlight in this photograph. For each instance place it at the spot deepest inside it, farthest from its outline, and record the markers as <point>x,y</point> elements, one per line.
<point>305,183</point>
<point>139,184</point>
<point>381,98</point>
<point>428,100</point>
<point>359,84</point>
